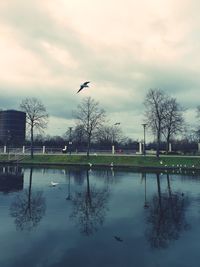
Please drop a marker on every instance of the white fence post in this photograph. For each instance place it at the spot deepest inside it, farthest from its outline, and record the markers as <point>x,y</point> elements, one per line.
<point>113,149</point>
<point>198,147</point>
<point>140,147</point>
<point>4,149</point>
<point>43,150</point>
<point>23,149</point>
<point>170,147</point>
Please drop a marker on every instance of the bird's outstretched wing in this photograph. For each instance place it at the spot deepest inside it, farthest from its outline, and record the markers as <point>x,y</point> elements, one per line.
<point>85,83</point>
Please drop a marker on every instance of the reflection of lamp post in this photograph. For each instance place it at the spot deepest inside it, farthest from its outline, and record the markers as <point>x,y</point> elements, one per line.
<point>146,205</point>
<point>70,140</point>
<point>69,191</point>
<point>144,150</point>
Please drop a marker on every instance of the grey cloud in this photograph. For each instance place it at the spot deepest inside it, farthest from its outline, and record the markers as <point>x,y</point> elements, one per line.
<point>116,67</point>
<point>32,25</point>
<point>56,103</point>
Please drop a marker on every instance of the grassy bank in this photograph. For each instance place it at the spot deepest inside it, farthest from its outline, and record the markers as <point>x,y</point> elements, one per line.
<point>132,161</point>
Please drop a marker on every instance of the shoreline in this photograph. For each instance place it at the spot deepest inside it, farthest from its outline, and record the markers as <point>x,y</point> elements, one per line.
<point>164,163</point>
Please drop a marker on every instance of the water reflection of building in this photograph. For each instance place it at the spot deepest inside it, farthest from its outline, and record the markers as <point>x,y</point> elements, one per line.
<point>11,179</point>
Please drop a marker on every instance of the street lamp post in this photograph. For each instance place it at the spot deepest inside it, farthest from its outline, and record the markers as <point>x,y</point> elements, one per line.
<point>70,140</point>
<point>7,143</point>
<point>113,137</point>
<point>69,191</point>
<point>144,148</point>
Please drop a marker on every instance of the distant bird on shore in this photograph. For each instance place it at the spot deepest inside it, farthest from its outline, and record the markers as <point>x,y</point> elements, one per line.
<point>53,183</point>
<point>82,86</point>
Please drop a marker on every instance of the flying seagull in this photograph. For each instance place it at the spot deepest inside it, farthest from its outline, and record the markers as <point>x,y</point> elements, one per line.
<point>83,85</point>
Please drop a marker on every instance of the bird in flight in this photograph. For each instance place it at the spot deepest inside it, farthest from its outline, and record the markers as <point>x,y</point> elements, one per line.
<point>117,123</point>
<point>83,85</point>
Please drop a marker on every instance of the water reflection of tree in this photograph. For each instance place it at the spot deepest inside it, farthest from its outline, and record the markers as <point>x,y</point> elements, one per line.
<point>166,217</point>
<point>78,175</point>
<point>110,176</point>
<point>69,186</point>
<point>89,207</point>
<point>28,208</point>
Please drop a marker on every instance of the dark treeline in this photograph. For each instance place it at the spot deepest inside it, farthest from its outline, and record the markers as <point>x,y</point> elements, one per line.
<point>182,146</point>
<point>164,118</point>
<point>77,145</point>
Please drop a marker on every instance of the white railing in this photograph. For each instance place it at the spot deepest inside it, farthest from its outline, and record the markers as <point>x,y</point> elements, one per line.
<point>25,150</point>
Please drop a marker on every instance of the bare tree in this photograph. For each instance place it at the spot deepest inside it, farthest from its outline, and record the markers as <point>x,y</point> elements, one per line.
<point>173,120</point>
<point>197,130</point>
<point>198,112</point>
<point>36,116</point>
<point>77,135</point>
<point>109,134</point>
<point>90,116</point>
<point>155,104</point>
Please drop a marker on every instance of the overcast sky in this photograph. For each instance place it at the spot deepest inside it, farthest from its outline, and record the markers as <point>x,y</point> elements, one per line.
<point>124,47</point>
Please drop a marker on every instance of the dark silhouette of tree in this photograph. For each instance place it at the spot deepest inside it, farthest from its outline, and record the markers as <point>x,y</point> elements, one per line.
<point>155,104</point>
<point>197,130</point>
<point>163,116</point>
<point>173,120</point>
<point>36,116</point>
<point>79,137</point>
<point>89,207</point>
<point>108,135</point>
<point>28,208</point>
<point>166,216</point>
<point>90,117</point>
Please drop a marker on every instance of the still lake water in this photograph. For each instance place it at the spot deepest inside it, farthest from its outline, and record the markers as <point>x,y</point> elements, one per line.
<point>98,218</point>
